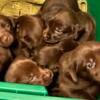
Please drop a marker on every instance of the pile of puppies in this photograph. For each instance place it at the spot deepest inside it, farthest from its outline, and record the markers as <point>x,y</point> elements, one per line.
<point>54,48</point>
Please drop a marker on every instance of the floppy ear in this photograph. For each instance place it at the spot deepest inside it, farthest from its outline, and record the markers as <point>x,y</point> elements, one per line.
<point>73,75</point>
<point>72,72</point>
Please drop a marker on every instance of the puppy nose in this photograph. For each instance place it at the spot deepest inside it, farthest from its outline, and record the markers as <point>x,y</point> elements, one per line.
<point>48,74</point>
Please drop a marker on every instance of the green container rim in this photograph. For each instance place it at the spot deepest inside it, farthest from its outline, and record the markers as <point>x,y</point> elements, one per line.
<point>23,88</point>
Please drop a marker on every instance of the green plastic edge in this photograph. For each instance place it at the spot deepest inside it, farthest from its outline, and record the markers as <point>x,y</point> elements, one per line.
<point>14,96</point>
<point>95,12</point>
<point>23,88</point>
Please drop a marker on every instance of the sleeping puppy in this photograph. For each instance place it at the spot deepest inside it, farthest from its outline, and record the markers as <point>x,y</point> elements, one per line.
<point>51,7</point>
<point>24,70</point>
<point>64,23</point>
<point>6,31</point>
<point>63,19</point>
<point>28,32</point>
<point>79,75</point>
<point>68,23</point>
<point>59,18</point>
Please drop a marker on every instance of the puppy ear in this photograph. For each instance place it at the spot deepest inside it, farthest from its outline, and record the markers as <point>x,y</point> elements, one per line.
<point>73,76</point>
<point>72,72</point>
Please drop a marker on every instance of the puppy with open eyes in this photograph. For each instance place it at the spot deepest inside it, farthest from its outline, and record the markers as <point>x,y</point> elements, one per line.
<point>24,70</point>
<point>79,75</point>
<point>28,33</point>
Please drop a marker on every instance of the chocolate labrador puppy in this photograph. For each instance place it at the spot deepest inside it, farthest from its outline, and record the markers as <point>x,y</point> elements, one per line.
<point>29,33</point>
<point>68,23</point>
<point>59,17</point>
<point>51,7</point>
<point>6,31</point>
<point>79,75</point>
<point>65,18</point>
<point>64,24</point>
<point>24,70</point>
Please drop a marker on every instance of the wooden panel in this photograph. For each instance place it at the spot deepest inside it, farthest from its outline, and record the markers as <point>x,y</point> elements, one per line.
<point>19,7</point>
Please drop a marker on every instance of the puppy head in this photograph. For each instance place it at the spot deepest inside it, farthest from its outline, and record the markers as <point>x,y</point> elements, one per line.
<point>92,66</point>
<point>6,31</point>
<point>82,62</point>
<point>27,71</point>
<point>62,24</point>
<point>29,30</point>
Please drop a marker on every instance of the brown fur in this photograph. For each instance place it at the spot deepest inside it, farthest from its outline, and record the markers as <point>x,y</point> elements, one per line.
<point>80,72</point>
<point>5,57</point>
<point>64,24</point>
<point>66,18</point>
<point>52,7</point>
<point>87,27</point>
<point>80,25</point>
<point>24,70</point>
<point>29,33</point>
<point>48,55</point>
<point>6,31</point>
